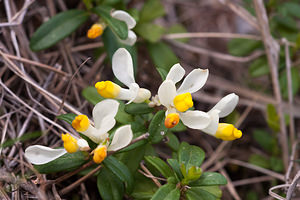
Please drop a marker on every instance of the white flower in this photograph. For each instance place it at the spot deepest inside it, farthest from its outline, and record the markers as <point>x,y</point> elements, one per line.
<point>103,114</point>
<point>223,108</point>
<point>179,101</point>
<point>130,21</point>
<point>122,67</point>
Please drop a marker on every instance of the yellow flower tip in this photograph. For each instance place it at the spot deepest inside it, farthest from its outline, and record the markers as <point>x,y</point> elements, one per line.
<point>108,89</point>
<point>172,120</point>
<point>100,154</point>
<point>228,132</point>
<point>95,31</point>
<point>81,123</point>
<point>183,102</point>
<point>70,143</point>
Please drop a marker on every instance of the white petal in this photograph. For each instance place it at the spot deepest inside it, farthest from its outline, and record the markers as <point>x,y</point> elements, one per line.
<point>226,104</point>
<point>143,95</point>
<point>166,93</point>
<point>214,123</point>
<point>130,40</point>
<point>39,154</point>
<point>195,119</point>
<point>122,66</point>
<point>134,89</point>
<point>104,114</point>
<point>176,73</point>
<point>124,16</point>
<point>82,143</point>
<point>193,81</point>
<point>121,139</point>
<point>125,94</point>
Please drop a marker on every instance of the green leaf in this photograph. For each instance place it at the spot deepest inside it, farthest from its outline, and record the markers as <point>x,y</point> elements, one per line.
<point>117,26</point>
<point>288,23</point>
<point>121,171</point>
<point>149,31</point>
<point>109,186</point>
<point>260,161</point>
<point>91,95</point>
<point>176,168</point>
<point>180,127</point>
<point>190,155</point>
<point>23,138</point>
<point>57,28</point>
<point>276,164</point>
<point>133,146</point>
<point>242,47</point>
<point>172,141</point>
<point>112,44</point>
<point>157,128</point>
<point>193,174</point>
<point>69,117</point>
<point>145,188</point>
<point>66,162</point>
<point>138,108</point>
<point>173,195</point>
<point>160,165</point>
<point>204,193</point>
<point>133,158</point>
<point>273,118</point>
<point>284,83</point>
<point>122,116</point>
<point>162,55</point>
<point>152,9</point>
<point>163,192</point>
<point>265,140</point>
<point>210,178</point>
<point>292,9</point>
<point>259,67</point>
<point>162,72</point>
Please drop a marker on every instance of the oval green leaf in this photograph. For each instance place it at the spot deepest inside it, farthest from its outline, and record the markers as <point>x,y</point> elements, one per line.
<point>66,162</point>
<point>57,28</point>
<point>109,186</point>
<point>121,171</point>
<point>160,165</point>
<point>190,155</point>
<point>138,108</point>
<point>157,128</point>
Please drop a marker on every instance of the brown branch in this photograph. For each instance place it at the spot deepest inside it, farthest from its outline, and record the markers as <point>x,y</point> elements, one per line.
<point>290,89</point>
<point>211,35</point>
<point>272,50</point>
<point>214,54</point>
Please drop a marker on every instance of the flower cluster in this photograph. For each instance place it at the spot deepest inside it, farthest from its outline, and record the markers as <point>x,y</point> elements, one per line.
<point>104,119</point>
<point>177,101</point>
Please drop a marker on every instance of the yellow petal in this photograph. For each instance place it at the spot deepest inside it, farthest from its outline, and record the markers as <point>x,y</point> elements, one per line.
<point>171,120</point>
<point>228,132</point>
<point>183,102</point>
<point>81,123</point>
<point>95,31</point>
<point>100,154</point>
<point>70,143</point>
<point>108,89</point>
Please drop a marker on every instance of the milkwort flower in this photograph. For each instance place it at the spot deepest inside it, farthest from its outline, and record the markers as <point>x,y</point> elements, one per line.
<point>104,119</point>
<point>122,67</point>
<point>178,101</point>
<point>97,29</point>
